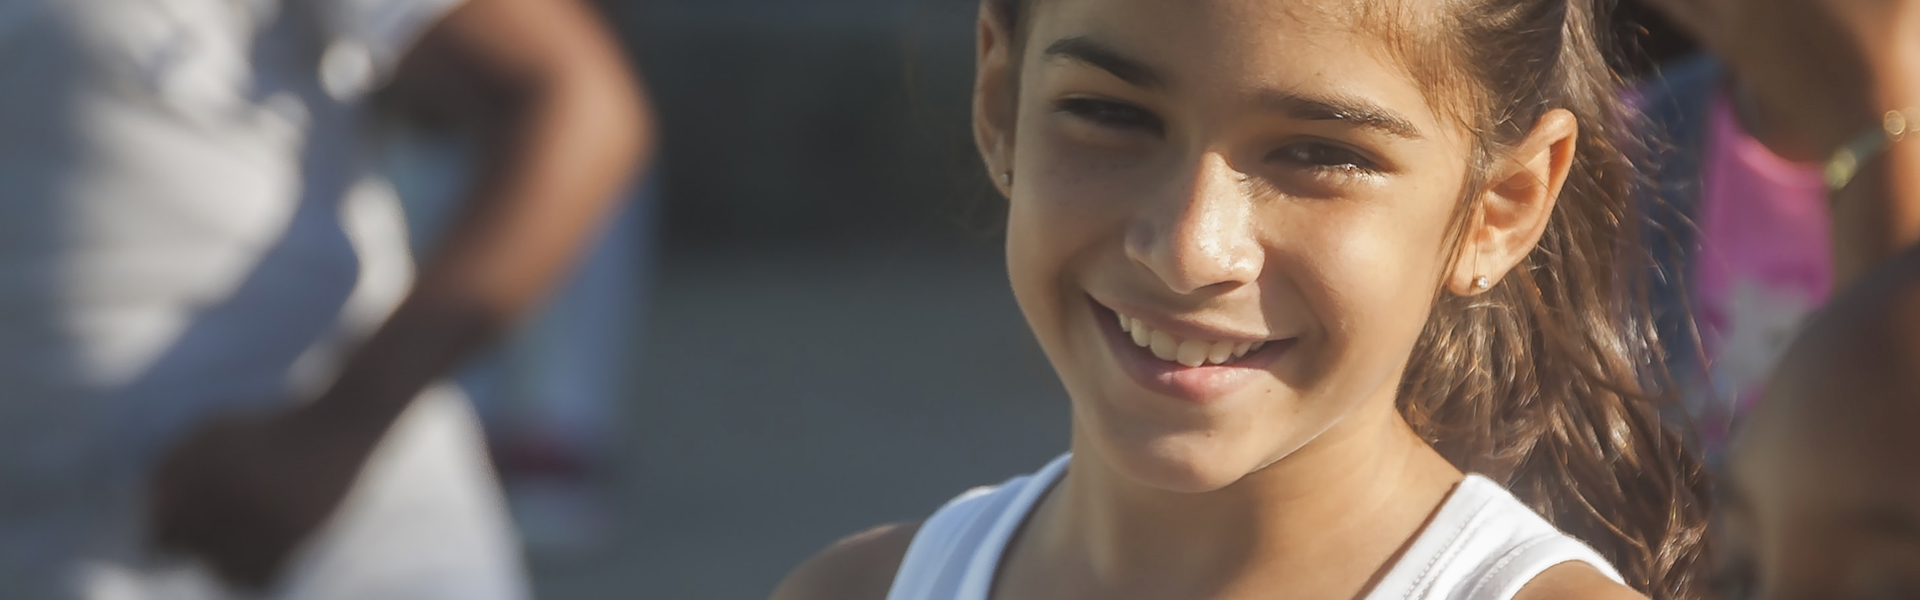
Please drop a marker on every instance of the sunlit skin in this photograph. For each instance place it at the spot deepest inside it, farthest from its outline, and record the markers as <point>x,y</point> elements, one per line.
<point>1823,499</point>
<point>1244,171</point>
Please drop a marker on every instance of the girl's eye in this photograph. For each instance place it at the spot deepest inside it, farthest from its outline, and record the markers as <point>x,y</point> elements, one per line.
<point>1111,114</point>
<point>1324,156</point>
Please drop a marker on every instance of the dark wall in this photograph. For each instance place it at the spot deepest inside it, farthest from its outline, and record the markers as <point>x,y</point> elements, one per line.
<point>824,122</point>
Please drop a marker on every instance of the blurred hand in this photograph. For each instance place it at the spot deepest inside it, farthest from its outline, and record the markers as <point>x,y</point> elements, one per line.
<point>1825,68</point>
<point>241,494</point>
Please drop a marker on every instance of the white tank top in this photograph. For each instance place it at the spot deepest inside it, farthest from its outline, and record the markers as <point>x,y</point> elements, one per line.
<point>1482,544</point>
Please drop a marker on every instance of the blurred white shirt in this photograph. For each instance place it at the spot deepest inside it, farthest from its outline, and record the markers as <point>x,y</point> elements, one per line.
<point>192,223</point>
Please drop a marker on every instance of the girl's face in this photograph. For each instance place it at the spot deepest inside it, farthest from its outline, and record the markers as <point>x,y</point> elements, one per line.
<point>1228,221</point>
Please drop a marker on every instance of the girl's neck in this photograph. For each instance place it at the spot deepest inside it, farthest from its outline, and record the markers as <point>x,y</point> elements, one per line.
<point>1319,520</point>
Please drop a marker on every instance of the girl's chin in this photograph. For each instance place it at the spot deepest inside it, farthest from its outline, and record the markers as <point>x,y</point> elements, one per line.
<point>1185,466</point>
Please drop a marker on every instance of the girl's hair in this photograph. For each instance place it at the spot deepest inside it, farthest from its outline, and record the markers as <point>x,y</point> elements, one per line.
<point>1552,381</point>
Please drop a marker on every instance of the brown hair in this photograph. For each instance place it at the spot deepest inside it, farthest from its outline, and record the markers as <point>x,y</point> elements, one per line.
<point>1552,381</point>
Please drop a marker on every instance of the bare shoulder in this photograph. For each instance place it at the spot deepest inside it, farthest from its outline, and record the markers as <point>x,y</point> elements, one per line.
<point>858,567</point>
<point>1575,581</point>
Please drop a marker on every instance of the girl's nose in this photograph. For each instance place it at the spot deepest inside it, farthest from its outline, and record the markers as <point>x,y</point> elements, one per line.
<point>1202,236</point>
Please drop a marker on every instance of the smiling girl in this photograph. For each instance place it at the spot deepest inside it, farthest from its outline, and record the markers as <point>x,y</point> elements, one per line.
<point>1302,266</point>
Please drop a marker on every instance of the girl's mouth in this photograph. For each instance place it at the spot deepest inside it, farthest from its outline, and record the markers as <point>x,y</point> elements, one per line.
<point>1188,352</point>
<point>1192,369</point>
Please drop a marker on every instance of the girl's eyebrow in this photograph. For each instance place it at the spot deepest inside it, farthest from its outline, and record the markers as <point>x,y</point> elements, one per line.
<point>1349,109</point>
<point>1091,52</point>
<point>1304,107</point>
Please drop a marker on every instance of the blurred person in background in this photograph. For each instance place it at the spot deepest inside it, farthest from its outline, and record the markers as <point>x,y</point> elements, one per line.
<point>1747,254</point>
<point>1744,196</point>
<point>550,398</point>
<point>548,395</point>
<point>212,341</point>
<point>1822,498</point>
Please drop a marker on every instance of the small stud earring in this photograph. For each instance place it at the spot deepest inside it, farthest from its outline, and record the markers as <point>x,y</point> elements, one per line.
<point>1481,283</point>
<point>1006,178</point>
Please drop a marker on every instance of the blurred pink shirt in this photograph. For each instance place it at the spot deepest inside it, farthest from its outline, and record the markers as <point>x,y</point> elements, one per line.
<point>1764,263</point>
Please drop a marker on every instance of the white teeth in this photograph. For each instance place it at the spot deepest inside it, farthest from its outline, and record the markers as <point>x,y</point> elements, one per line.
<point>1220,352</point>
<point>1164,346</point>
<point>1191,353</point>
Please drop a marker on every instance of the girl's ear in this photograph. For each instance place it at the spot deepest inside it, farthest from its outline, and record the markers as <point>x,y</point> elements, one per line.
<point>994,90</point>
<point>1513,210</point>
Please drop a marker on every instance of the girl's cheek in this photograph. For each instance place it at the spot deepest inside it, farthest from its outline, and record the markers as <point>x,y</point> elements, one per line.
<point>1362,276</point>
<point>1340,245</point>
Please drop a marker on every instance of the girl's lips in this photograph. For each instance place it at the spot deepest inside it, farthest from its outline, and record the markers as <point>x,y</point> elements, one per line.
<point>1205,383</point>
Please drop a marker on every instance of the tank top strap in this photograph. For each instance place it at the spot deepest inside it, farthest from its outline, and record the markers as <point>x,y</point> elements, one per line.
<point>957,550</point>
<point>1482,544</point>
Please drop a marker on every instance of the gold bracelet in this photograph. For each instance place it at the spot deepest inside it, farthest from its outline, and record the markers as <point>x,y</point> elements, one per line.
<point>1846,161</point>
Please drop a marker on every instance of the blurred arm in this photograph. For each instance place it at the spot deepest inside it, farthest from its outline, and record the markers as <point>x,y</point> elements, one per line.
<point>562,126</point>
<point>1827,70</point>
<point>1878,215</point>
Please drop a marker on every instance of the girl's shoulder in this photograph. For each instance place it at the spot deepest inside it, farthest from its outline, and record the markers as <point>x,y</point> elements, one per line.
<point>1485,544</point>
<point>858,567</point>
<point>1576,581</point>
<point>956,548</point>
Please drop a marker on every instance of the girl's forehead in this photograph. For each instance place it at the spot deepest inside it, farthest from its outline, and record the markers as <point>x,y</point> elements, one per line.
<point>1344,38</point>
<point>1258,18</point>
<point>1241,48</point>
